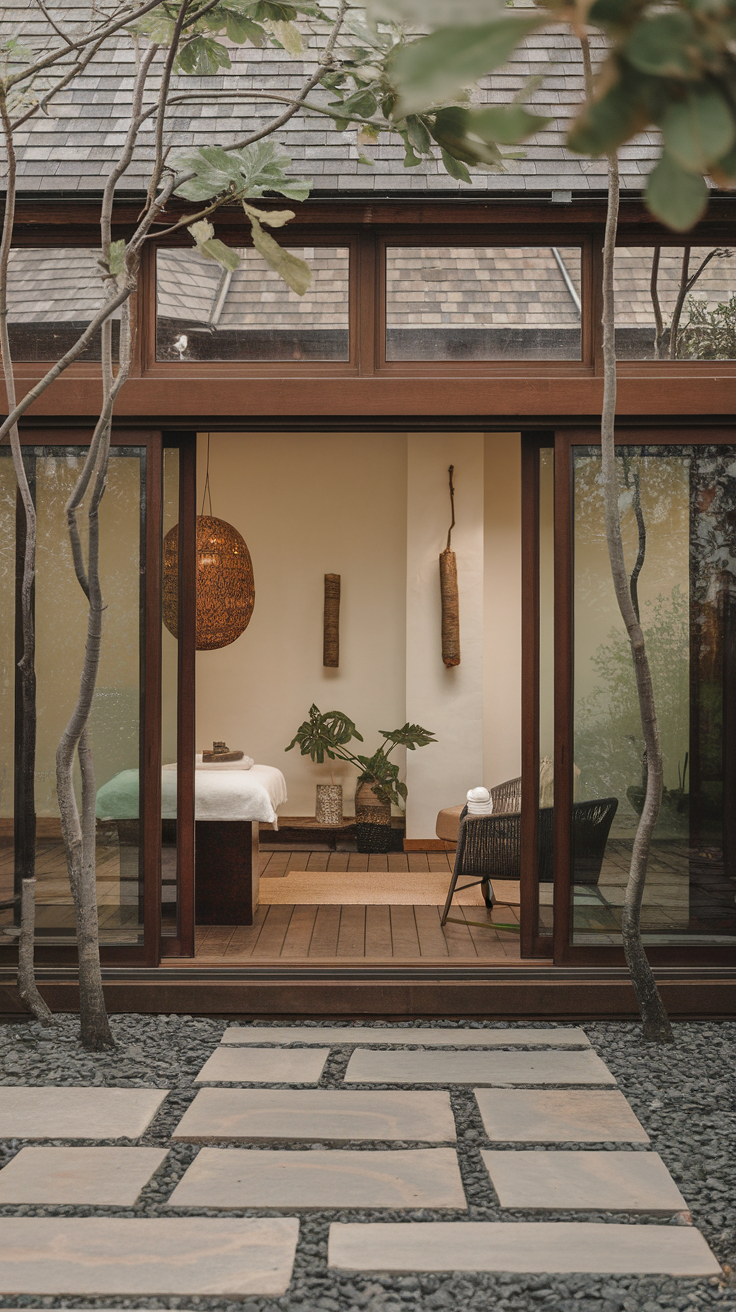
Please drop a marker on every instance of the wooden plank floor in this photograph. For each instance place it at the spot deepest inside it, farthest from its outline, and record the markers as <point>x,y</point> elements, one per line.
<point>359,933</point>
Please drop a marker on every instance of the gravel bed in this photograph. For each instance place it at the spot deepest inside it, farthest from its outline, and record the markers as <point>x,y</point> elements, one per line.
<point>683,1095</point>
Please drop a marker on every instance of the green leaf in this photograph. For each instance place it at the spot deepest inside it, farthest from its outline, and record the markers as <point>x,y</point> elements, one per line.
<point>289,36</point>
<point>117,257</point>
<point>505,124</point>
<point>274,218</point>
<point>663,45</point>
<point>224,255</point>
<point>295,273</point>
<point>434,67</point>
<point>416,131</point>
<point>455,167</point>
<point>202,57</point>
<point>241,29</point>
<point>676,197</point>
<point>698,130</point>
<point>604,124</point>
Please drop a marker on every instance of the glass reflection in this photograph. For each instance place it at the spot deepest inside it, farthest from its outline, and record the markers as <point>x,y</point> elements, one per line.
<point>675,303</point>
<point>61,613</point>
<point>483,303</point>
<point>679,523</point>
<point>205,312</point>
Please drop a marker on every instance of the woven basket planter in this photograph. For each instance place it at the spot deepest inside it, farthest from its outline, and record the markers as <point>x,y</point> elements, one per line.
<point>372,820</point>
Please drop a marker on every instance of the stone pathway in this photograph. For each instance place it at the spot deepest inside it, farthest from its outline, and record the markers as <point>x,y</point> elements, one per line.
<point>401,1157</point>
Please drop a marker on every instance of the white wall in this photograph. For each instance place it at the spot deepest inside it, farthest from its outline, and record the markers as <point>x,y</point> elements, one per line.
<point>373,508</point>
<point>447,701</point>
<point>308,505</point>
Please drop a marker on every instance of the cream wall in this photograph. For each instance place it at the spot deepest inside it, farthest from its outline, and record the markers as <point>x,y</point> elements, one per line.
<point>449,702</point>
<point>308,505</point>
<point>373,508</point>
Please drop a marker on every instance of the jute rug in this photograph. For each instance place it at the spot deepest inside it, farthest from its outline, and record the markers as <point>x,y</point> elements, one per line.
<point>364,888</point>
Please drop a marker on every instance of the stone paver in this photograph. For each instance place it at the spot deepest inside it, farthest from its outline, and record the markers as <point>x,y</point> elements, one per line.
<point>572,1181</point>
<point>548,1247</point>
<point>426,1038</point>
<point>178,1255</point>
<point>335,1114</point>
<point>97,1176</point>
<point>264,1065</point>
<point>76,1113</point>
<point>559,1116</point>
<point>238,1177</point>
<point>366,1066</point>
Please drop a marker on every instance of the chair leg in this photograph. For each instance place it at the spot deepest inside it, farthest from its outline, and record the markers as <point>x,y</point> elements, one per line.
<point>450,895</point>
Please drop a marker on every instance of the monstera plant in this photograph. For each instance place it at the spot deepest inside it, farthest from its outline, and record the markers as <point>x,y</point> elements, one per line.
<point>327,734</point>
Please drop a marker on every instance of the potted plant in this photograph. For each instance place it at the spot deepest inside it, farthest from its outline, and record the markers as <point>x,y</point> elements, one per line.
<point>378,785</point>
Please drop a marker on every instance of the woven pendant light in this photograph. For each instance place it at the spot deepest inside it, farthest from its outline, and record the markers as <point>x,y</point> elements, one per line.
<point>225,589</point>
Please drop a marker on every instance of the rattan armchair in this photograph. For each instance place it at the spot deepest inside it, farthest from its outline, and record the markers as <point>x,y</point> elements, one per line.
<point>489,846</point>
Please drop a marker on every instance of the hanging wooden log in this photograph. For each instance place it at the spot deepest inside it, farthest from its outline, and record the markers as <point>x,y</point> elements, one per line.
<point>449,593</point>
<point>331,637</point>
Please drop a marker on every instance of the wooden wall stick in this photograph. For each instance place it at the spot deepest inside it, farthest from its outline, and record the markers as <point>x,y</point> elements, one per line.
<point>449,593</point>
<point>331,639</point>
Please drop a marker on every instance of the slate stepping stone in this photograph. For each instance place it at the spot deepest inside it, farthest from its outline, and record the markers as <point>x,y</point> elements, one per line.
<point>264,1066</point>
<point>366,1066</point>
<point>77,1113</point>
<point>532,1247</point>
<point>595,1181</point>
<point>237,1177</point>
<point>558,1116</point>
<point>338,1115</point>
<point>97,1176</point>
<point>178,1255</point>
<point>425,1038</point>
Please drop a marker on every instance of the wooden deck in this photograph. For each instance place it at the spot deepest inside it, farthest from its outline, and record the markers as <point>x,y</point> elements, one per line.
<point>363,933</point>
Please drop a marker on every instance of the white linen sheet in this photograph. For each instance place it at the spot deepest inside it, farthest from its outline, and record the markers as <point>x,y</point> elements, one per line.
<point>252,793</point>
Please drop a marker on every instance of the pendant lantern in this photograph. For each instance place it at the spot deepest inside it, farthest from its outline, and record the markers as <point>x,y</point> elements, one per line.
<point>225,588</point>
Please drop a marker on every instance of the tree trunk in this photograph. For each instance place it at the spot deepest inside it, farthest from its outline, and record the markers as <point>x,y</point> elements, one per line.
<point>654,1017</point>
<point>29,994</point>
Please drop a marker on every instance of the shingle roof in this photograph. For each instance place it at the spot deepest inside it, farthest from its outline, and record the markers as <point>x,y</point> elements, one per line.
<point>93,113</point>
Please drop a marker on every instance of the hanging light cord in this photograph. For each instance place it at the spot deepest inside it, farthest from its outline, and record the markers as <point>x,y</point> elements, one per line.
<point>207,492</point>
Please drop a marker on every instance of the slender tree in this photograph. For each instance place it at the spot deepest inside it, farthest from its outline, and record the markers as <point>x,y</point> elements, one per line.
<point>673,67</point>
<point>173,40</point>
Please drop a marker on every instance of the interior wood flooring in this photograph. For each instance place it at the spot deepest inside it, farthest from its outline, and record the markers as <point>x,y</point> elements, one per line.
<point>376,933</point>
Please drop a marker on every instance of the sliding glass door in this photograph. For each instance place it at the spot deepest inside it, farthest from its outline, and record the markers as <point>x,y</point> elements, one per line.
<point>677,496</point>
<point>123,721</point>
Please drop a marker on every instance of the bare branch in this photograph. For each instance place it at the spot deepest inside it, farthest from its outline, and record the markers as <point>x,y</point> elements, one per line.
<point>100,33</point>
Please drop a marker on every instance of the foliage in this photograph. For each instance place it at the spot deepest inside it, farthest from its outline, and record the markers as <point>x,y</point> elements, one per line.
<point>708,334</point>
<point>673,68</point>
<point>608,735</point>
<point>365,85</point>
<point>327,735</point>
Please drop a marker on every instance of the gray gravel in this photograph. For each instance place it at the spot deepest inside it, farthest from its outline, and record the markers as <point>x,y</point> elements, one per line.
<point>682,1094</point>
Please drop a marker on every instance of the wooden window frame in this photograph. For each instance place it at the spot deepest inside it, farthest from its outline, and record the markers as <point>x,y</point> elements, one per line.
<point>296,236</point>
<point>490,236</point>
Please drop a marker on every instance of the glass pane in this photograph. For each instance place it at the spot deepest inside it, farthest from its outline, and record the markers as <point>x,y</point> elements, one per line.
<point>204,312</point>
<point>679,524</point>
<point>169,693</point>
<point>694,288</point>
<point>7,701</point>
<point>61,613</point>
<point>482,303</point>
<point>53,293</point>
<point>546,683</point>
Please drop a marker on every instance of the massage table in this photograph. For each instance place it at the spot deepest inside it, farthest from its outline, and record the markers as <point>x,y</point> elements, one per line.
<point>230,801</point>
